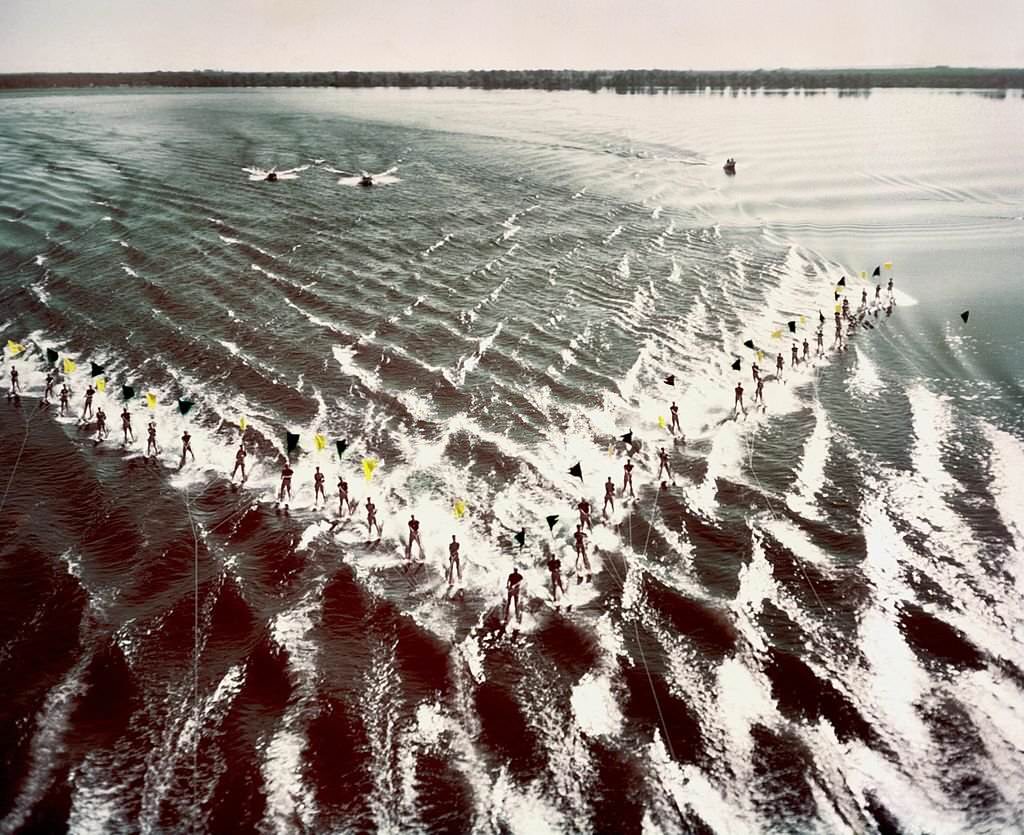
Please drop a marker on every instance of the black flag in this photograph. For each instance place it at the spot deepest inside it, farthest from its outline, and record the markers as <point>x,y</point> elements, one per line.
<point>51,355</point>
<point>342,446</point>
<point>127,392</point>
<point>576,470</point>
<point>792,326</point>
<point>736,365</point>
<point>837,297</point>
<point>96,369</point>
<point>670,380</point>
<point>293,441</point>
<point>821,318</point>
<point>551,522</point>
<point>965,314</point>
<point>749,344</point>
<point>521,538</point>
<point>877,273</point>
<point>628,437</point>
<point>184,406</point>
<point>841,282</point>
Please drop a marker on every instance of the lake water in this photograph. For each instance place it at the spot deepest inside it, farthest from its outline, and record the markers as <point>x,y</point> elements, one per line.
<point>817,624</point>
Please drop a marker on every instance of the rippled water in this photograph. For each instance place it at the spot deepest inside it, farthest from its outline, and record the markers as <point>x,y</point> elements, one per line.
<point>817,626</point>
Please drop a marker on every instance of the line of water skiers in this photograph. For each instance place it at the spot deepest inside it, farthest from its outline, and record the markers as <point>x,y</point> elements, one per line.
<point>347,506</point>
<point>860,317</point>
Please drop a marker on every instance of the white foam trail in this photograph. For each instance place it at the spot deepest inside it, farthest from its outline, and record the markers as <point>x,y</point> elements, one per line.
<point>345,357</point>
<point>1006,465</point>
<point>316,320</point>
<point>657,212</point>
<point>613,235</point>
<point>129,271</point>
<point>810,478</point>
<point>624,267</point>
<point>436,246</point>
<point>289,798</point>
<point>596,710</point>
<point>677,271</point>
<point>228,240</point>
<point>41,294</point>
<point>48,744</point>
<point>40,260</point>
<point>864,380</point>
<point>231,346</point>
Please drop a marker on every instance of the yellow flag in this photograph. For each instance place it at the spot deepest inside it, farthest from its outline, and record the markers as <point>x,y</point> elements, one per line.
<point>460,508</point>
<point>803,321</point>
<point>241,423</point>
<point>661,421</point>
<point>101,384</point>
<point>69,366</point>
<point>369,465</point>
<point>864,275</point>
<point>838,307</point>
<point>760,356</point>
<point>888,265</point>
<point>320,441</point>
<point>611,450</point>
<point>151,400</point>
<point>777,334</point>
<point>14,347</point>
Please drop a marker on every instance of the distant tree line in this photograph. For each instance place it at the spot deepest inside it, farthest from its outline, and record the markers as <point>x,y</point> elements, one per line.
<point>621,81</point>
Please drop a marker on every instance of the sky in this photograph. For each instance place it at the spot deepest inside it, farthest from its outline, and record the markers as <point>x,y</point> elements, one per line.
<point>127,35</point>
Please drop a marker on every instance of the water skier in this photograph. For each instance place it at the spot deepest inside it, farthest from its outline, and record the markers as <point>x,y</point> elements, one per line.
<point>674,409</point>
<point>864,297</point>
<point>65,394</point>
<point>755,372</point>
<point>414,536</point>
<point>807,350</point>
<point>371,519</point>
<point>454,563</point>
<point>738,405</point>
<point>820,338</point>
<point>584,509</point>
<point>878,293</point>
<point>151,447</point>
<point>286,482</point>
<point>609,497</point>
<point>101,424</point>
<point>48,392</point>
<point>892,295</point>
<point>186,448</point>
<point>663,463</point>
<point>515,581</point>
<point>846,308</point>
<point>318,487</point>
<point>239,462</point>
<point>126,421</point>
<point>759,393</point>
<point>555,569</point>
<point>627,477</point>
<point>87,408</point>
<point>581,551</point>
<point>794,356</point>
<point>15,385</point>
<point>343,500</point>
<point>780,363</point>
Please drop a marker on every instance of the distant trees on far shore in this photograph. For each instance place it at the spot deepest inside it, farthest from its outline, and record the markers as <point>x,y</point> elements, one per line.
<point>849,81</point>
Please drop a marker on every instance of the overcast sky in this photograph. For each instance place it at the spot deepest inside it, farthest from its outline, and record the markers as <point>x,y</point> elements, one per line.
<point>52,35</point>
